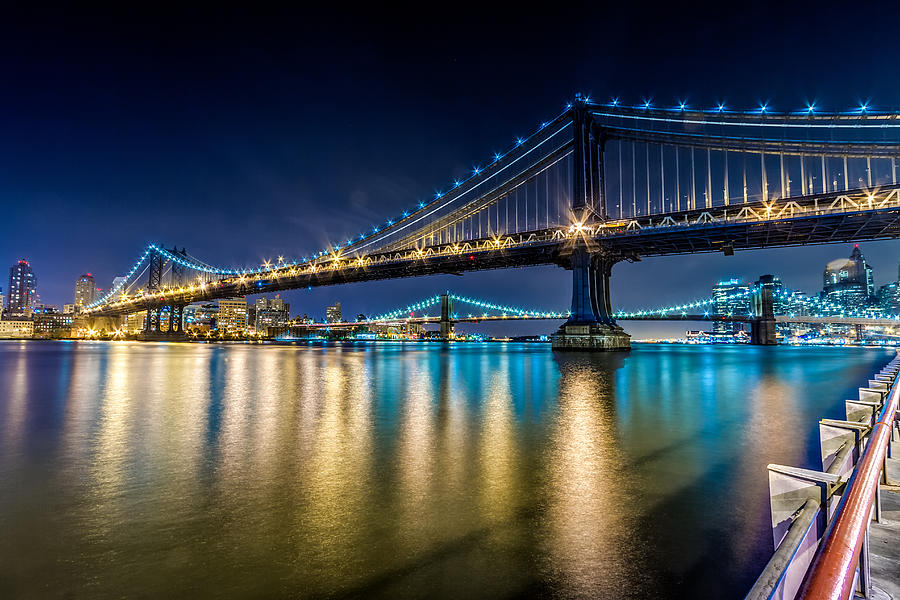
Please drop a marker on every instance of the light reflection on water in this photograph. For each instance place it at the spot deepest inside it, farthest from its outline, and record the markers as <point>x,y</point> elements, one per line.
<point>400,470</point>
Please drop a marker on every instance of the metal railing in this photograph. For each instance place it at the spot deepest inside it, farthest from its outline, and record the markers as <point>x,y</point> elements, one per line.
<point>820,518</point>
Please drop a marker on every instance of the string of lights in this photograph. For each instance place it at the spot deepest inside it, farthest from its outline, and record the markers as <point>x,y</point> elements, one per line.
<point>115,289</point>
<point>680,308</point>
<point>440,199</point>
<point>864,109</point>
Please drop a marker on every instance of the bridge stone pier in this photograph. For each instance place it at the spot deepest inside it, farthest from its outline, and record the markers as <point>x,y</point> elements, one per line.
<point>446,321</point>
<point>762,324</point>
<point>591,326</point>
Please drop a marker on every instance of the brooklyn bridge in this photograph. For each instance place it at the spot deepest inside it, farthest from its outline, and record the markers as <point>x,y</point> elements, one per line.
<point>598,184</point>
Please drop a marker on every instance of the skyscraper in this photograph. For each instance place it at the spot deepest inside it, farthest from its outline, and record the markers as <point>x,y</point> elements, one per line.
<point>271,312</point>
<point>777,287</point>
<point>849,282</point>
<point>889,298</point>
<point>22,288</point>
<point>85,291</point>
<point>117,281</point>
<point>232,318</point>
<point>730,297</point>
<point>333,313</point>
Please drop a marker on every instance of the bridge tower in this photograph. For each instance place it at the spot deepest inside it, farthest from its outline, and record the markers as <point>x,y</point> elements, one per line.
<point>176,312</point>
<point>762,324</point>
<point>590,326</point>
<point>154,283</point>
<point>446,322</point>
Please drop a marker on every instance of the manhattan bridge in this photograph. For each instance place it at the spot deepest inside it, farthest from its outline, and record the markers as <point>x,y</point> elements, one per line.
<point>599,184</point>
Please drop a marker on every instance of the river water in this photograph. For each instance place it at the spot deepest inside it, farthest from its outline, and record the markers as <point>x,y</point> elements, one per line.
<point>388,470</point>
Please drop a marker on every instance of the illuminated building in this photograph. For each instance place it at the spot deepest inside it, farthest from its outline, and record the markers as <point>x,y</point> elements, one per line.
<point>200,317</point>
<point>849,282</point>
<point>889,298</point>
<point>68,308</point>
<point>730,297</point>
<point>134,322</point>
<point>16,328</point>
<point>117,281</point>
<point>85,291</point>
<point>22,289</point>
<point>232,316</point>
<point>774,283</point>
<point>333,313</point>
<point>272,312</point>
<point>49,322</point>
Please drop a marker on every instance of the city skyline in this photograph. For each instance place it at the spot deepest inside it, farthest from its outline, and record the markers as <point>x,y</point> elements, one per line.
<point>86,292</point>
<point>252,314</point>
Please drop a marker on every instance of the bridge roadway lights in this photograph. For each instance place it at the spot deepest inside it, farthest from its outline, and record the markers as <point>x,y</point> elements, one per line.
<point>591,326</point>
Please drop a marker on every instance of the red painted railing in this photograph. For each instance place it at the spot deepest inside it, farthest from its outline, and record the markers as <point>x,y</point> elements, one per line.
<point>833,570</point>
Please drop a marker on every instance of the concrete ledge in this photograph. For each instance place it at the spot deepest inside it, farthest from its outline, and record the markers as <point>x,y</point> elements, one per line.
<point>596,337</point>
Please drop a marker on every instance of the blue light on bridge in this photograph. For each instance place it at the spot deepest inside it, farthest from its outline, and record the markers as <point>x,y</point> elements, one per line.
<point>519,141</point>
<point>615,102</point>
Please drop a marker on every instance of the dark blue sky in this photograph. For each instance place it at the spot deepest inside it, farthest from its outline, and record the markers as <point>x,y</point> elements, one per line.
<point>245,137</point>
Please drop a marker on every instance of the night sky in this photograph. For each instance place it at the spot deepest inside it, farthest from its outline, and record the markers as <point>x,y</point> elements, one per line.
<point>244,137</point>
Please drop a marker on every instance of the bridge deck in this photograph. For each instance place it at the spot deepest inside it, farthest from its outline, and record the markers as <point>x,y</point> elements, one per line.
<point>820,219</point>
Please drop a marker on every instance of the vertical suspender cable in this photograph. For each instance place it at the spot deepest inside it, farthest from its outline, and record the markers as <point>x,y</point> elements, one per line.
<point>662,179</point>
<point>647,160</point>
<point>633,183</point>
<point>693,183</point>
<point>677,181</point>
<point>620,183</point>
<point>802,177</point>
<point>781,172</point>
<point>744,161</point>
<point>725,170</point>
<point>846,175</point>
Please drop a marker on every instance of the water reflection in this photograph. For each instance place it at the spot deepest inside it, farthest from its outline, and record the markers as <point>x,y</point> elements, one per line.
<point>587,518</point>
<point>399,470</point>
